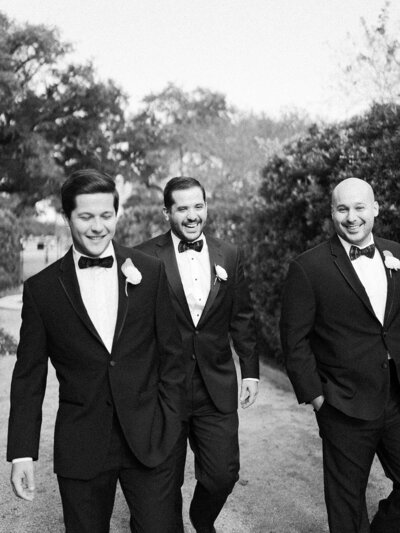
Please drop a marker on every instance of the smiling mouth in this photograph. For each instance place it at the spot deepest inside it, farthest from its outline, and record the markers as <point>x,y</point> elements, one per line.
<point>353,228</point>
<point>191,226</point>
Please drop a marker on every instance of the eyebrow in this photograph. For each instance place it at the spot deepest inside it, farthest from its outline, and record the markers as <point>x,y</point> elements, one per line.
<point>342,204</point>
<point>90,212</point>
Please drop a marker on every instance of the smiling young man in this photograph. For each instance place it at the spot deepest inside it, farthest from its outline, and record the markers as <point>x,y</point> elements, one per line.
<point>212,303</point>
<point>340,330</point>
<point>116,349</point>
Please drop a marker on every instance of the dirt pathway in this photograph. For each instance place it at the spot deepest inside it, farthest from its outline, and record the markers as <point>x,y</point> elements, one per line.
<point>279,491</point>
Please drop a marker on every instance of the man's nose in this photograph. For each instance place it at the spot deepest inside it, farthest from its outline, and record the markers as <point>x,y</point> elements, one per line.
<point>352,215</point>
<point>191,215</point>
<point>97,225</point>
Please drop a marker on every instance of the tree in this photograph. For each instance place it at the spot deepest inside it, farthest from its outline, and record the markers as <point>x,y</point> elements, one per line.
<point>372,74</point>
<point>54,116</point>
<point>26,57</point>
<point>10,240</point>
<point>197,134</point>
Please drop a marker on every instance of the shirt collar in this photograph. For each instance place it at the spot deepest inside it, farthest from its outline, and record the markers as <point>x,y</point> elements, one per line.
<point>108,251</point>
<point>347,245</point>
<point>176,240</point>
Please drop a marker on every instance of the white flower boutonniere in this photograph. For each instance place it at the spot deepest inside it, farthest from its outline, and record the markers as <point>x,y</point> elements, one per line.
<point>220,274</point>
<point>131,273</point>
<point>391,262</point>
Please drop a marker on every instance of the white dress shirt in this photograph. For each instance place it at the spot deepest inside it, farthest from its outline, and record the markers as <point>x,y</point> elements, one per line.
<point>195,271</point>
<point>99,291</point>
<point>372,275</point>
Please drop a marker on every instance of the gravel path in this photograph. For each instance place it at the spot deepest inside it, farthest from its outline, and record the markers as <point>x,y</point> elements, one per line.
<point>280,487</point>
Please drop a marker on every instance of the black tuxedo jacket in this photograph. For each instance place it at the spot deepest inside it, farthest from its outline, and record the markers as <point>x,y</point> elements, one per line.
<point>227,313</point>
<point>332,340</point>
<point>142,380</point>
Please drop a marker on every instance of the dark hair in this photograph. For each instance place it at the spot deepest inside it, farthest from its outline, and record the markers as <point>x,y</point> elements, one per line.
<point>88,181</point>
<point>179,184</point>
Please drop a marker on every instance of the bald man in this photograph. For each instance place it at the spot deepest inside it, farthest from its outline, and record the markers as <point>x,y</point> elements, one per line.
<point>340,331</point>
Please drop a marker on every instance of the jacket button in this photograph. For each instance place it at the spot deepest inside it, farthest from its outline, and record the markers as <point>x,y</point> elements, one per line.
<point>196,332</point>
<point>193,357</point>
<point>383,333</point>
<point>113,363</point>
<point>384,365</point>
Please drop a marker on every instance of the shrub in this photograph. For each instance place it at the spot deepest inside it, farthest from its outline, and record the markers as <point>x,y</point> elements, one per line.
<point>7,344</point>
<point>10,243</point>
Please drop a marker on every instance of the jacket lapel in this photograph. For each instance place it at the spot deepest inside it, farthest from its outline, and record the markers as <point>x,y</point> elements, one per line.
<point>165,251</point>
<point>392,286</point>
<point>69,282</point>
<point>216,258</point>
<point>122,296</point>
<point>343,263</point>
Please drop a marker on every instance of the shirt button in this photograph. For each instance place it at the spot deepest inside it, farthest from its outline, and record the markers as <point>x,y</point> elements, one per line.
<point>113,363</point>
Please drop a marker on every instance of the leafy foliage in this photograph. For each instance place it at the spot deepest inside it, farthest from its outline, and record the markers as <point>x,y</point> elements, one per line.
<point>10,248</point>
<point>142,217</point>
<point>372,66</point>
<point>54,116</point>
<point>198,134</point>
<point>8,345</point>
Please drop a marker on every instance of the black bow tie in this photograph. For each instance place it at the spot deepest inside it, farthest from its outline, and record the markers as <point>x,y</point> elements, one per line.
<point>196,246</point>
<point>368,251</point>
<point>87,262</point>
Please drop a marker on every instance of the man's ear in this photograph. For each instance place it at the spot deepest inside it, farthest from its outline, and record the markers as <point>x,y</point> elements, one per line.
<point>376,208</point>
<point>166,214</point>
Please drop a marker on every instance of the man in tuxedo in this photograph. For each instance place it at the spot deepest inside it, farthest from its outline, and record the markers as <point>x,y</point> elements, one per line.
<point>102,315</point>
<point>340,330</point>
<point>212,303</point>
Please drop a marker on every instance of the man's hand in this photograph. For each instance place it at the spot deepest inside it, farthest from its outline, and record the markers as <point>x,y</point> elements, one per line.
<point>248,392</point>
<point>23,480</point>
<point>317,402</point>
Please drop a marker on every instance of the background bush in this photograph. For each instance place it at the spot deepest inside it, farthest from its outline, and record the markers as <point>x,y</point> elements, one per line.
<point>10,244</point>
<point>8,345</point>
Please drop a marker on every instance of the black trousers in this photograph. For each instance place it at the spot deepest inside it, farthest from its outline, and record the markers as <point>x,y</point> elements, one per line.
<point>349,446</point>
<point>213,438</point>
<point>150,493</point>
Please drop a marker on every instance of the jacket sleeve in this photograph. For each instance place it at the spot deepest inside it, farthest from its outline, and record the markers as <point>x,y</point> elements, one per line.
<point>28,384</point>
<point>172,369</point>
<point>242,326</point>
<point>296,324</point>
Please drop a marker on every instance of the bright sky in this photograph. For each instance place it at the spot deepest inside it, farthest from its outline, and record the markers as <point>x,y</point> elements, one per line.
<point>264,55</point>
